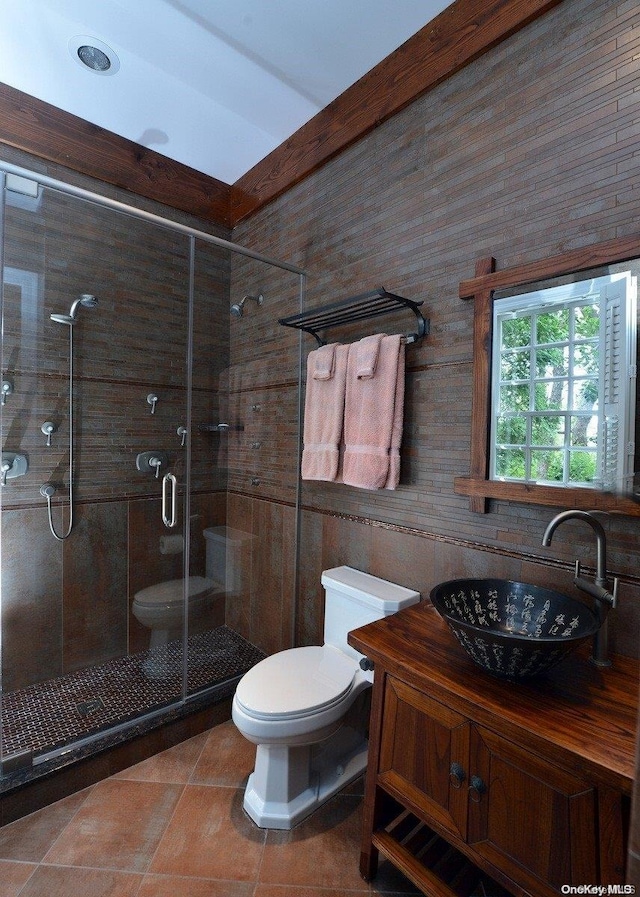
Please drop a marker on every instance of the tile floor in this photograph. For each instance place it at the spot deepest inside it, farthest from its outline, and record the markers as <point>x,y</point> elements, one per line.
<point>174,825</point>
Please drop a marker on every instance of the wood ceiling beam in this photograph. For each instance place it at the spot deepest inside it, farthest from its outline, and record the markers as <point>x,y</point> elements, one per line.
<point>47,132</point>
<point>460,34</point>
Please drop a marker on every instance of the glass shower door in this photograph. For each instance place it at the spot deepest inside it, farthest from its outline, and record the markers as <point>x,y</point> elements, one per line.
<point>95,317</point>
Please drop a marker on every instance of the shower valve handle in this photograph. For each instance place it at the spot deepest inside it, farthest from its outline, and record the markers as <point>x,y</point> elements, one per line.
<point>48,428</point>
<point>6,467</point>
<point>182,432</point>
<point>157,464</point>
<point>5,390</point>
<point>152,400</point>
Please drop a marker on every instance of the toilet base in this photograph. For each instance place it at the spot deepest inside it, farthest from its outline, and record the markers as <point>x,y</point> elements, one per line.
<point>288,783</point>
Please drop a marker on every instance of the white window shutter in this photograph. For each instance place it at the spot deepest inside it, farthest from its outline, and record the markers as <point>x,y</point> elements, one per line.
<point>618,371</point>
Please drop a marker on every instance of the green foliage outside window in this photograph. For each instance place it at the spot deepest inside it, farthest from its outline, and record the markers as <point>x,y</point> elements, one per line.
<point>548,395</point>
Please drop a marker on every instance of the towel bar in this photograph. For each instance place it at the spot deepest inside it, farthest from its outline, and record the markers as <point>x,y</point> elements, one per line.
<point>359,308</point>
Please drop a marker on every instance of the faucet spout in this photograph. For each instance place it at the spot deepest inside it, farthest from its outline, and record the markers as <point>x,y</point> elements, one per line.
<point>604,600</point>
<point>601,539</point>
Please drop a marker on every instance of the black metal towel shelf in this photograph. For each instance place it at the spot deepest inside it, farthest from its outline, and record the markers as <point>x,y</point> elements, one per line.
<point>359,308</point>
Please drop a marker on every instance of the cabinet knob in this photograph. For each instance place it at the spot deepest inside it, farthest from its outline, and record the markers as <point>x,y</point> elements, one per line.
<point>456,775</point>
<point>366,664</point>
<point>476,789</point>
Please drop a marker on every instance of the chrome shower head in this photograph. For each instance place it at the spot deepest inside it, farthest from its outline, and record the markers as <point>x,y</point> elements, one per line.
<point>238,307</point>
<point>86,300</point>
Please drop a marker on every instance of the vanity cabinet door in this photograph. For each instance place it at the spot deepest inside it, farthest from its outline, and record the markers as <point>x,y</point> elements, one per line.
<point>423,755</point>
<point>530,819</point>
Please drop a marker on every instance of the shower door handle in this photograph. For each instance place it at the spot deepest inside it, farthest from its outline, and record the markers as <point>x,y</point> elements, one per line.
<point>169,518</point>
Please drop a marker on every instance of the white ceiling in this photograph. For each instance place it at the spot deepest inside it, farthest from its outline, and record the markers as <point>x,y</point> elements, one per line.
<point>214,84</point>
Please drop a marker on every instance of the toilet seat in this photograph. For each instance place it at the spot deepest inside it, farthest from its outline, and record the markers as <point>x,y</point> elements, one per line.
<point>170,592</point>
<point>296,683</point>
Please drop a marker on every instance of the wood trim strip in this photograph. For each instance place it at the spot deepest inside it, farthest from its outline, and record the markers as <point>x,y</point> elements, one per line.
<point>550,496</point>
<point>461,33</point>
<point>620,249</point>
<point>35,127</point>
<point>481,397</point>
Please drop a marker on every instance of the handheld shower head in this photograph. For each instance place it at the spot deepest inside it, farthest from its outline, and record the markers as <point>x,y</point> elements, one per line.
<point>237,308</point>
<point>86,300</point>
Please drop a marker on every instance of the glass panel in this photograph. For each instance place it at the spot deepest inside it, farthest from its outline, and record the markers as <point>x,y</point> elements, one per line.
<point>552,326</point>
<point>514,398</point>
<point>552,362</point>
<point>511,430</point>
<point>516,332</point>
<point>582,467</point>
<point>82,646</point>
<point>587,321</point>
<point>515,365</point>
<point>551,395</point>
<point>547,466</point>
<point>584,430</point>
<point>547,430</point>
<point>244,475</point>
<point>510,463</point>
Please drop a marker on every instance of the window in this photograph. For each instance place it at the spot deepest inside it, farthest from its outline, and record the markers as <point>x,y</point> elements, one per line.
<point>563,375</point>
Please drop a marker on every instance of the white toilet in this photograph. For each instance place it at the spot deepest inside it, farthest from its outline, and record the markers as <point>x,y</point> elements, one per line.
<point>299,706</point>
<point>160,607</point>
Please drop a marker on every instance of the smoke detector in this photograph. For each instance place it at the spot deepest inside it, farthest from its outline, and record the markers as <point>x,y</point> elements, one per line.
<point>94,55</point>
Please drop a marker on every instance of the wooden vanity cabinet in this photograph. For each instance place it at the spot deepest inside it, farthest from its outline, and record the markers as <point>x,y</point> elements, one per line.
<point>525,786</point>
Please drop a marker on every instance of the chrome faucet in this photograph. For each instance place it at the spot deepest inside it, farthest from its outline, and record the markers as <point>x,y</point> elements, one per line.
<point>604,600</point>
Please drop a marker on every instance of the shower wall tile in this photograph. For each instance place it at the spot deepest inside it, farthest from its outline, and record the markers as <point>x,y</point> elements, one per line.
<point>261,611</point>
<point>238,610</point>
<point>309,617</point>
<point>95,586</point>
<point>113,423</point>
<point>272,575</point>
<point>262,456</point>
<point>31,599</point>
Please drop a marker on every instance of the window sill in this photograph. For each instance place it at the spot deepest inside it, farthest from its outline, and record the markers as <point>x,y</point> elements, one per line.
<point>553,496</point>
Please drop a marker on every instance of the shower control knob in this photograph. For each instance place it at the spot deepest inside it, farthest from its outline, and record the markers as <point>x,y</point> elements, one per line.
<point>152,399</point>
<point>48,428</point>
<point>366,664</point>
<point>5,390</point>
<point>182,433</point>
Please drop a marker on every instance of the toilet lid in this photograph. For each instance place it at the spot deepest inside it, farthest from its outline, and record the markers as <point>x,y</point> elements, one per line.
<point>297,682</point>
<point>171,591</point>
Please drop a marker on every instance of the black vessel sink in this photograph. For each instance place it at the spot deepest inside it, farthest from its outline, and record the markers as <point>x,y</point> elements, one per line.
<point>513,629</point>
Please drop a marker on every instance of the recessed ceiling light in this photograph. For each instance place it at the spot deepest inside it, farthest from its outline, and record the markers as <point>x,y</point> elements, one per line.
<point>94,55</point>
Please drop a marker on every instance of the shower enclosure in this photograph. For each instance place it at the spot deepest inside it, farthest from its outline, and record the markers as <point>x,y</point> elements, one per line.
<point>125,587</point>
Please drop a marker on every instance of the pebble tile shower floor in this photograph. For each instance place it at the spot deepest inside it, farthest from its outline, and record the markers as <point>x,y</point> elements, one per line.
<point>46,716</point>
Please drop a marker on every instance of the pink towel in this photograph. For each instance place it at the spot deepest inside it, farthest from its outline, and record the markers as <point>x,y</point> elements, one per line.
<point>323,414</point>
<point>368,350</point>
<point>373,418</point>
<point>324,360</point>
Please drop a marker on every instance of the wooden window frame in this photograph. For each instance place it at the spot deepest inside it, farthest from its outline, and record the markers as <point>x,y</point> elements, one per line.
<point>477,486</point>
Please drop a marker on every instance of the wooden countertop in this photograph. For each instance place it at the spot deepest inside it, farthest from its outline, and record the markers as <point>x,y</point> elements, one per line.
<point>582,716</point>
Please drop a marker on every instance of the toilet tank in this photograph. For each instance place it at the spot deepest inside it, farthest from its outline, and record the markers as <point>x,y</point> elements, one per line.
<point>354,598</point>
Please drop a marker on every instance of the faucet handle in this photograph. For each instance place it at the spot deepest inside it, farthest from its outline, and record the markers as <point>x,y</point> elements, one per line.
<point>614,593</point>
